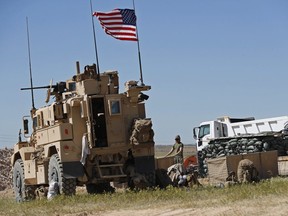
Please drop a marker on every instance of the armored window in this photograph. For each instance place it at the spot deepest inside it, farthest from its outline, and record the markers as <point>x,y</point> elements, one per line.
<point>39,120</point>
<point>72,86</point>
<point>114,107</point>
<point>34,123</point>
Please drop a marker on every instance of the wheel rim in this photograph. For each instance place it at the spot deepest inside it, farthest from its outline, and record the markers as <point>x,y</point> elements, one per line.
<point>18,181</point>
<point>54,175</point>
<point>18,185</point>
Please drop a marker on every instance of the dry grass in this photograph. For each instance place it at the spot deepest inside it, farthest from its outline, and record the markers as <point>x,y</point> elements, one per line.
<point>266,198</point>
<point>269,197</point>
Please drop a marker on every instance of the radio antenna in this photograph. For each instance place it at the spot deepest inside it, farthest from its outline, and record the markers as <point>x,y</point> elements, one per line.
<point>95,42</point>
<point>30,67</point>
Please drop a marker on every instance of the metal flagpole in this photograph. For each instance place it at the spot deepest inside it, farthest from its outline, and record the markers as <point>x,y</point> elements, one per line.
<point>138,44</point>
<point>95,43</point>
<point>30,67</point>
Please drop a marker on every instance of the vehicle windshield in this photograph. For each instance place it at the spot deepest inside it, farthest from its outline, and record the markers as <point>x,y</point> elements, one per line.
<point>204,130</point>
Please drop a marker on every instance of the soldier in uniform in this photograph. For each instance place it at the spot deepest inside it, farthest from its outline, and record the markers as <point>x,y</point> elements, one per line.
<point>177,151</point>
<point>247,172</point>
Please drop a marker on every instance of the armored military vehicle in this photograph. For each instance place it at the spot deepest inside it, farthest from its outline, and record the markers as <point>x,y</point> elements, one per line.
<point>90,135</point>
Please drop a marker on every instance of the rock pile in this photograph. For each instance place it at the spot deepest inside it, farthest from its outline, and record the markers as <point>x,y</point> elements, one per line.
<point>243,145</point>
<point>5,168</point>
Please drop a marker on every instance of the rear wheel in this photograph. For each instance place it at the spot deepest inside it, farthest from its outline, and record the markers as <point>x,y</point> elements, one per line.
<point>151,178</point>
<point>21,190</point>
<point>55,173</point>
<point>162,178</point>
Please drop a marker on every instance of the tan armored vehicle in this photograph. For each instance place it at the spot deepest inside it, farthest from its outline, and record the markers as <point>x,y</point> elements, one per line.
<point>90,135</point>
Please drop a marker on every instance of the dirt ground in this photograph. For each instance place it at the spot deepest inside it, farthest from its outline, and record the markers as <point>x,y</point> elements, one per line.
<point>213,211</point>
<point>268,206</point>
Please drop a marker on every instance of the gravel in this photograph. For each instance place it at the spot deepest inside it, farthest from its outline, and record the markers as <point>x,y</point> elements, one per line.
<point>5,169</point>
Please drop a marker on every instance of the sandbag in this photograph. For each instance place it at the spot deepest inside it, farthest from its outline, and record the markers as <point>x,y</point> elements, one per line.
<point>142,131</point>
<point>246,171</point>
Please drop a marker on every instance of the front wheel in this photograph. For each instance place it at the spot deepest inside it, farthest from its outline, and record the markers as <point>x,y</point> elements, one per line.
<point>21,190</point>
<point>56,174</point>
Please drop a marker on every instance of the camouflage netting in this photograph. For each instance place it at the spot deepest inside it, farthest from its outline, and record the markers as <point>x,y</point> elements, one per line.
<point>262,142</point>
<point>5,169</point>
<point>142,131</point>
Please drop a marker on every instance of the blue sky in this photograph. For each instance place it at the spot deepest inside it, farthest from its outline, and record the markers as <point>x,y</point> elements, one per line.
<point>203,59</point>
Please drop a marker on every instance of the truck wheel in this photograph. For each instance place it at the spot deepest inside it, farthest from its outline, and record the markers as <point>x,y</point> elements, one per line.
<point>18,181</point>
<point>162,178</point>
<point>99,188</point>
<point>151,178</point>
<point>55,173</point>
<point>22,192</point>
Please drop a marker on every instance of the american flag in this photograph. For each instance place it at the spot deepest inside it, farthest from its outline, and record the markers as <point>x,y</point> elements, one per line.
<point>119,23</point>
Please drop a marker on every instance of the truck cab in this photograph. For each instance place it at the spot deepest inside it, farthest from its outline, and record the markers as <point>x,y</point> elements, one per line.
<point>235,127</point>
<point>208,130</point>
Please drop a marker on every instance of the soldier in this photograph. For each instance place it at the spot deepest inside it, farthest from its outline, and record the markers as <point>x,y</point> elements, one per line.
<point>247,172</point>
<point>192,179</point>
<point>177,150</point>
<point>231,179</point>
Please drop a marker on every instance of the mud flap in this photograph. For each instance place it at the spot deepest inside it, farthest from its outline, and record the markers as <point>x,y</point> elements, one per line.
<point>145,165</point>
<point>73,169</point>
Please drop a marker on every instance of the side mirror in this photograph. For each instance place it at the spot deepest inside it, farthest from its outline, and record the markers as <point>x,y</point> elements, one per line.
<point>195,132</point>
<point>25,126</point>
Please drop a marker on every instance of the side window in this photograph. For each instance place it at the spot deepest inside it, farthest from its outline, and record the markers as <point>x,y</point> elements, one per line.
<point>34,123</point>
<point>40,120</point>
<point>72,86</point>
<point>204,130</point>
<point>114,107</point>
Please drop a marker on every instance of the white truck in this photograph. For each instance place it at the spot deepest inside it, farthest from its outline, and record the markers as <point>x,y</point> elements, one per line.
<point>238,136</point>
<point>232,127</point>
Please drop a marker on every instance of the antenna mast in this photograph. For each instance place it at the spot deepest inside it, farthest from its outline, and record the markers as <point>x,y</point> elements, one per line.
<point>30,68</point>
<point>95,42</point>
<point>138,44</point>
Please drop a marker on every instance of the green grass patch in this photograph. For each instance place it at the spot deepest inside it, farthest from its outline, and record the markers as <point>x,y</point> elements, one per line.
<point>85,204</point>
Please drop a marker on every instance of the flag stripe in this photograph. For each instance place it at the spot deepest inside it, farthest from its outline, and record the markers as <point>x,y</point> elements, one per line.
<point>115,27</point>
<point>119,23</point>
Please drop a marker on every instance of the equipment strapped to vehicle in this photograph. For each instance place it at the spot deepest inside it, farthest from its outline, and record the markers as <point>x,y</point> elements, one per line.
<point>142,131</point>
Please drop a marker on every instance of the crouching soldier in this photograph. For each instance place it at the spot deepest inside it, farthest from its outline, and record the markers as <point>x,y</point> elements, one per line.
<point>231,179</point>
<point>247,172</point>
<point>192,179</point>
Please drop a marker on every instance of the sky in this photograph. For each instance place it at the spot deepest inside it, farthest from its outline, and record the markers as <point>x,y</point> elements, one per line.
<point>203,59</point>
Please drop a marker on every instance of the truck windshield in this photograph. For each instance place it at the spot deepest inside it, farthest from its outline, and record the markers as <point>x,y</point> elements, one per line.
<point>204,130</point>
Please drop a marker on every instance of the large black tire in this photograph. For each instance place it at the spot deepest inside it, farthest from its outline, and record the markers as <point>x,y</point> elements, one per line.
<point>55,173</point>
<point>18,181</point>
<point>162,178</point>
<point>99,188</point>
<point>22,191</point>
<point>151,178</point>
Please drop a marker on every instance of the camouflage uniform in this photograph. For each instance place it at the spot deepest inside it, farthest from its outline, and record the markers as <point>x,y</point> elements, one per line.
<point>178,158</point>
<point>177,151</point>
<point>247,172</point>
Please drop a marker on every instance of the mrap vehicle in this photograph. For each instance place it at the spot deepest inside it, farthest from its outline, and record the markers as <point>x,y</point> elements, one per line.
<point>90,135</point>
